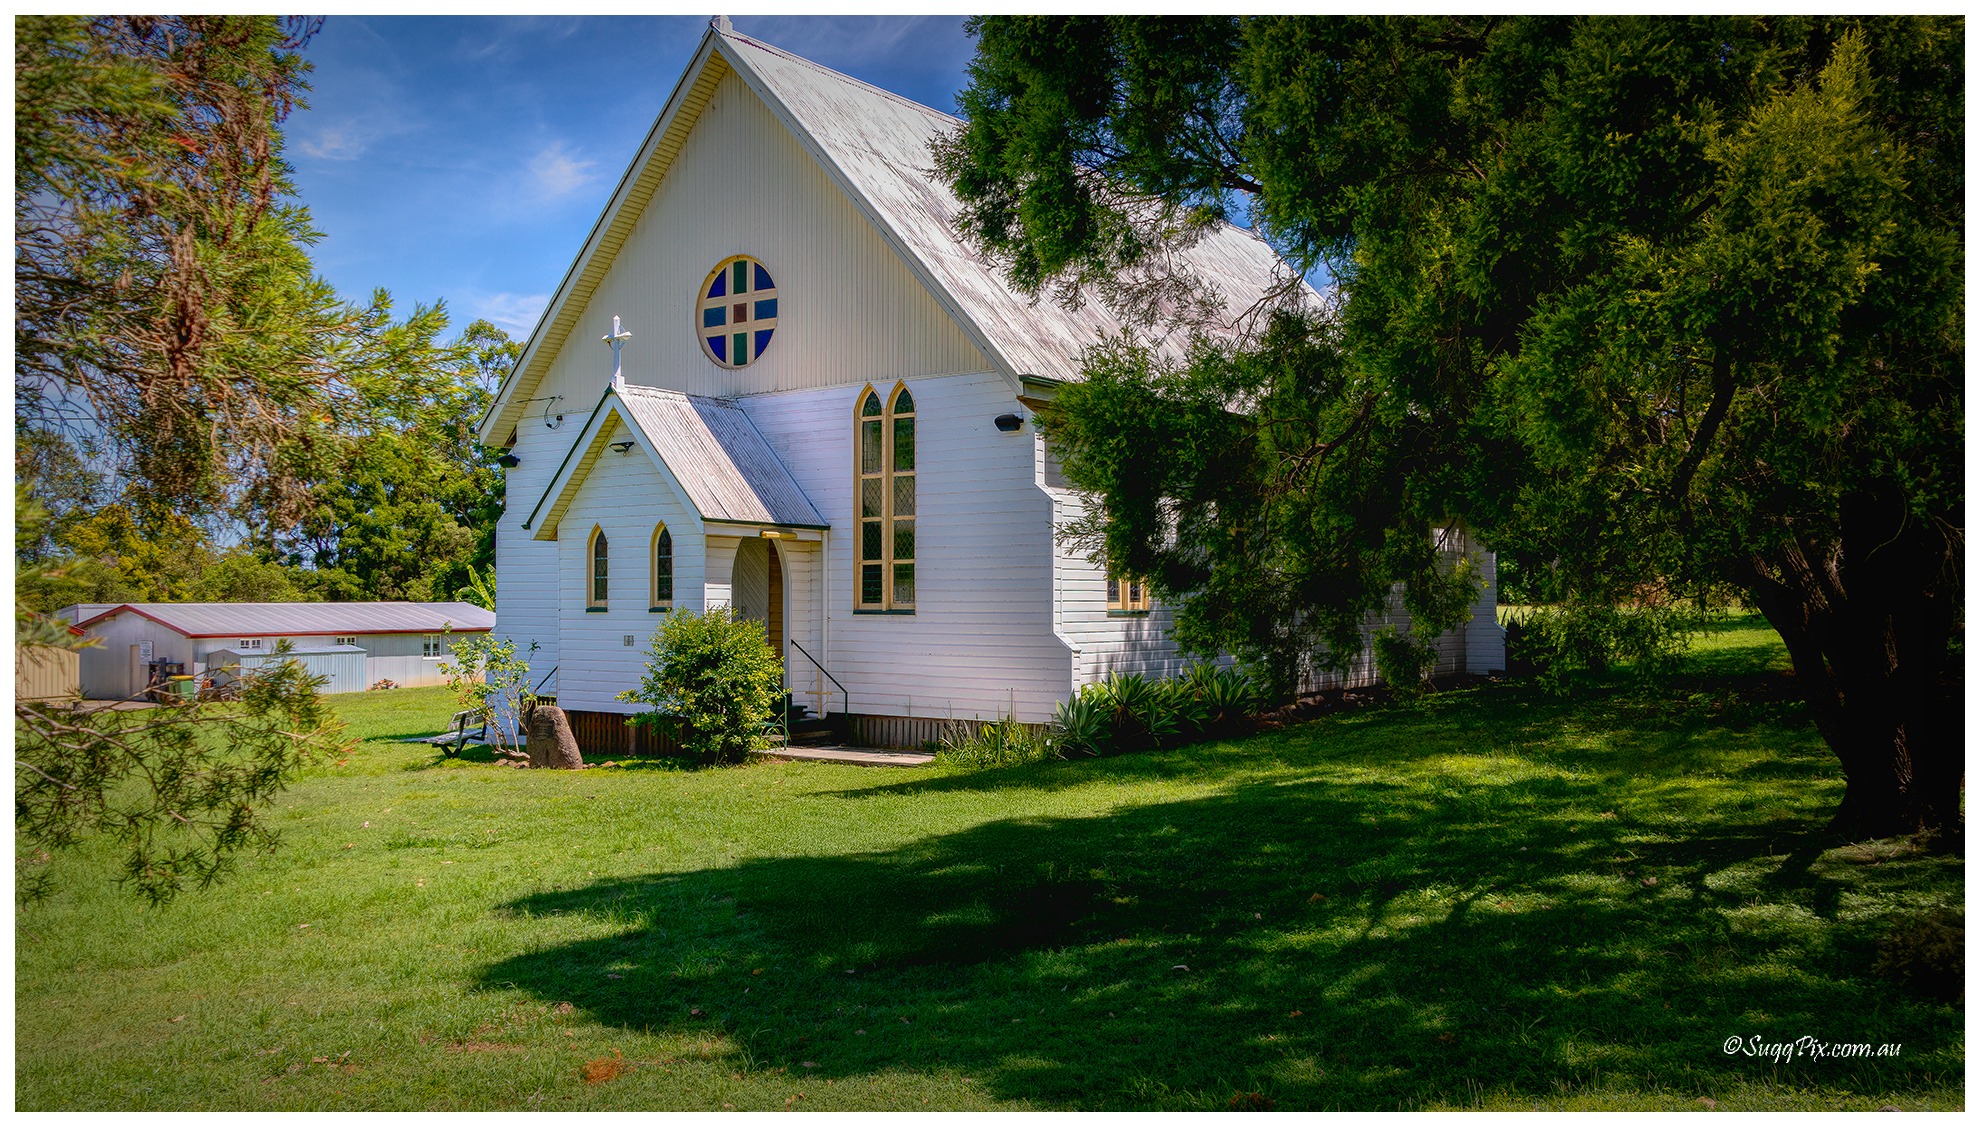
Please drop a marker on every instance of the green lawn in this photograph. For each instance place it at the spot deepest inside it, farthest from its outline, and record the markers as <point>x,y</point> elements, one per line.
<point>1494,899</point>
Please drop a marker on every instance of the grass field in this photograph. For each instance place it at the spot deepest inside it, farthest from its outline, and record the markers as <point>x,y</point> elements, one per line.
<point>1494,899</point>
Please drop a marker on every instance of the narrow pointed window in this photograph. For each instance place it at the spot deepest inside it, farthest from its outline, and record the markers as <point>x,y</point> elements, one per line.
<point>884,490</point>
<point>900,496</point>
<point>663,569</point>
<point>600,571</point>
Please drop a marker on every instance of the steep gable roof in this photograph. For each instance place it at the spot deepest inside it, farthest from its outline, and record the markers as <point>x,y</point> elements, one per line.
<point>875,146</point>
<point>878,145</point>
<point>720,463</point>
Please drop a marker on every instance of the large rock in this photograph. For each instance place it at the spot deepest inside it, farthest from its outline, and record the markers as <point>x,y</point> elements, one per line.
<point>551,743</point>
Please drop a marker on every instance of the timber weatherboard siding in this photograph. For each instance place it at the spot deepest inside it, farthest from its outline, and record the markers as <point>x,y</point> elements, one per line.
<point>848,308</point>
<point>624,496</point>
<point>980,642</point>
<point>527,591</point>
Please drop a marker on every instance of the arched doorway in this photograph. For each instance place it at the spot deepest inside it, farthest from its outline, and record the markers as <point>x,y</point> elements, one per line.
<point>758,589</point>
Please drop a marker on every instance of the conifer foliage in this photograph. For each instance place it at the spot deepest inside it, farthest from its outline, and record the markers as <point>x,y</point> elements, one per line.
<point>1662,309</point>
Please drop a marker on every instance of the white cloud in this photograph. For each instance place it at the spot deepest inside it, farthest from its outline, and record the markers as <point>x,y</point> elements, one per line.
<point>558,173</point>
<point>515,36</point>
<point>513,313</point>
<point>337,142</point>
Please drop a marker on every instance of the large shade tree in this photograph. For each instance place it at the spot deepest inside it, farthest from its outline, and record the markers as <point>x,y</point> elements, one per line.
<point>169,326</point>
<point>410,509</point>
<point>1659,307</point>
<point>167,313</point>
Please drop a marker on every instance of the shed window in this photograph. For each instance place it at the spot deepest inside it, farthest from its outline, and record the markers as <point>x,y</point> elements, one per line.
<point>433,645</point>
<point>736,313</point>
<point>663,569</point>
<point>600,569</point>
<point>886,469</point>
<point>345,640</point>
<point>249,644</point>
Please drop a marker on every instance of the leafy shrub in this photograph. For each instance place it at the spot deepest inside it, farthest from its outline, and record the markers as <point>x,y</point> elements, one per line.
<point>1570,642</point>
<point>1404,661</point>
<point>711,681</point>
<point>1001,743</point>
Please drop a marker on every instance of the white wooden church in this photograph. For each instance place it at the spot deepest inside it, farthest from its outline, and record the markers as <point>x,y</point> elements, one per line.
<point>816,408</point>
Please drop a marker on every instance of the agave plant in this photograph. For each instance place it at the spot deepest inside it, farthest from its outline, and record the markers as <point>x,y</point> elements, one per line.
<point>1137,712</point>
<point>1079,727</point>
<point>1228,697</point>
<point>1193,718</point>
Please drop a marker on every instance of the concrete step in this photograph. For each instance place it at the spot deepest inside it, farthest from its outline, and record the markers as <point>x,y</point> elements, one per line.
<point>858,756</point>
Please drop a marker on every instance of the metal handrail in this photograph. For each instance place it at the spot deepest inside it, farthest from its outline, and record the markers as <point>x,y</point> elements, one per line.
<point>845,697</point>
<point>538,690</point>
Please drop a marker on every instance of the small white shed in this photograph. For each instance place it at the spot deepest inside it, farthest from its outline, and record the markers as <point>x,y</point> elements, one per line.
<point>405,643</point>
<point>342,666</point>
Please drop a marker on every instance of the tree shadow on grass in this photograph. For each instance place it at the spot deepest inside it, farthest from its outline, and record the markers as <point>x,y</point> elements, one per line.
<point>1664,731</point>
<point>1331,947</point>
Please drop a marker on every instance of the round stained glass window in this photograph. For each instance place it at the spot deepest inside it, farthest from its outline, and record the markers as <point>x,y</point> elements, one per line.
<point>737,312</point>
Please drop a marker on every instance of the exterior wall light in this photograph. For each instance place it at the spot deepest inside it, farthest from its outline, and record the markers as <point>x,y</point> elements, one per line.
<point>1008,423</point>
<point>508,461</point>
<point>623,445</point>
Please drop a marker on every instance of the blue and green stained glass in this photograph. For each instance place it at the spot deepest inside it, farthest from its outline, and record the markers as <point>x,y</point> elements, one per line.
<point>734,333</point>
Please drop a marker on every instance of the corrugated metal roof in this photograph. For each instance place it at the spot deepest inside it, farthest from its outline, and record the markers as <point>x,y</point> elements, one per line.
<point>719,457</point>
<point>880,143</point>
<point>260,620</point>
<point>877,145</point>
<point>80,611</point>
<point>299,650</point>
<point>725,468</point>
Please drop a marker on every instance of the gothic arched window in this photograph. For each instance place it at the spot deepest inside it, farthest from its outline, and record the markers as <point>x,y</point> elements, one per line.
<point>884,578</point>
<point>600,570</point>
<point>663,569</point>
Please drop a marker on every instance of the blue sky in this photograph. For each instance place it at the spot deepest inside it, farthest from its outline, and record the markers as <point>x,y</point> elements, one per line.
<point>466,158</point>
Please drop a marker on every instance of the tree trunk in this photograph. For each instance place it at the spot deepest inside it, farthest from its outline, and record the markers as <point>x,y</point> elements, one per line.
<point>1868,617</point>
